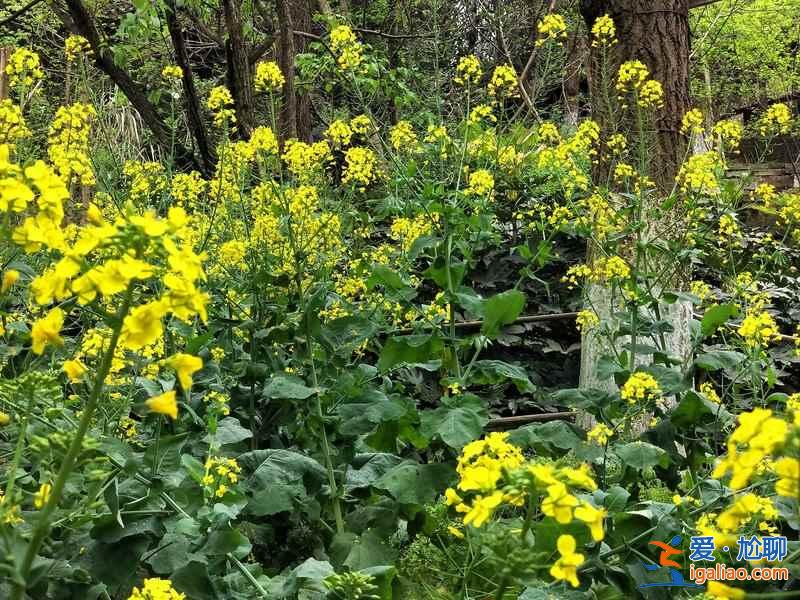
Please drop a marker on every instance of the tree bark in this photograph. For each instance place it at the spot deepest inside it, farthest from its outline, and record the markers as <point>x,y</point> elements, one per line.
<point>239,75</point>
<point>301,19</point>
<point>286,53</point>
<point>655,32</point>
<point>84,25</point>
<point>191,102</point>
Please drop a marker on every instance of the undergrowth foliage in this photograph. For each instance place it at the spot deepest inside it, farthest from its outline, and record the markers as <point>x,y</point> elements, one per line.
<point>256,384</point>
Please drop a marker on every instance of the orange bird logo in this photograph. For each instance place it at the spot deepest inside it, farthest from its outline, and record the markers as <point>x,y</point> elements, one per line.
<point>666,551</point>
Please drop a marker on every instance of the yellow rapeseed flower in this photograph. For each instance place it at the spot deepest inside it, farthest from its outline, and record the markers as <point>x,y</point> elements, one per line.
<point>164,404</point>
<point>185,365</point>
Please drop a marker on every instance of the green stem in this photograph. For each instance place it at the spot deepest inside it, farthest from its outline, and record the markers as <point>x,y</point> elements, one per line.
<point>43,525</point>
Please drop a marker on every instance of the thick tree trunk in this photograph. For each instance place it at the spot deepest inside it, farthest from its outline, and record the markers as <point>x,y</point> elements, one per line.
<point>655,32</point>
<point>191,101</point>
<point>239,76</point>
<point>83,24</point>
<point>301,19</point>
<point>286,53</point>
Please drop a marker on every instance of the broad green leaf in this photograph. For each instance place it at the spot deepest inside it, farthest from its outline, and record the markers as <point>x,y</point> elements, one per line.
<point>546,437</point>
<point>716,316</point>
<point>412,483</point>
<point>457,423</point>
<point>227,541</point>
<point>714,360</point>
<point>230,431</point>
<point>366,469</point>
<point>447,279</point>
<point>496,371</point>
<point>641,455</point>
<point>287,387</point>
<point>363,414</point>
<point>500,310</point>
<point>409,350</point>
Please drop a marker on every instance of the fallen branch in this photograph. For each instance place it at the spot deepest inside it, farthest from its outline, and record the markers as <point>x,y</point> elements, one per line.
<point>507,422</point>
<point>524,319</point>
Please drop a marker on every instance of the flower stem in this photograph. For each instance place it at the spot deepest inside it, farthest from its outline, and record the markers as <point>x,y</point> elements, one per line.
<point>43,525</point>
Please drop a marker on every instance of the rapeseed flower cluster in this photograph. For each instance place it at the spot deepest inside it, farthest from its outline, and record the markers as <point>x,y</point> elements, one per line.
<point>220,103</point>
<point>566,566</point>
<point>503,83</point>
<point>551,27</point>
<point>12,123</point>
<point>693,122</point>
<point>305,161</point>
<point>76,46</point>
<point>604,32</point>
<point>220,475</point>
<point>468,71</point>
<point>758,329</point>
<point>493,473</point>
<point>481,184</point>
<point>599,434</point>
<point>172,73</point>
<point>24,68</point>
<point>406,231</point>
<point>403,137</point>
<point>346,48</point>
<point>640,387</point>
<point>759,434</point>
<point>728,134</point>
<point>361,167</point>
<point>699,174</point>
<point>587,320</point>
<point>156,589</point>
<point>68,142</point>
<point>777,120</point>
<point>339,133</point>
<point>269,77</point>
<point>634,78</point>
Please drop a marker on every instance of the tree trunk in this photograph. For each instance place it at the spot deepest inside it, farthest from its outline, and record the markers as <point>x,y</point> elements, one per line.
<point>83,24</point>
<point>655,32</point>
<point>286,53</point>
<point>191,101</point>
<point>301,18</point>
<point>5,54</point>
<point>239,76</point>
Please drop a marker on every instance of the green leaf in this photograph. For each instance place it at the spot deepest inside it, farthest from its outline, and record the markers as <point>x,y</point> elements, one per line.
<point>364,413</point>
<point>457,423</point>
<point>716,316</point>
<point>230,431</point>
<point>369,550</point>
<point>616,498</point>
<point>409,350</point>
<point>715,360</point>
<point>447,279</point>
<point>500,310</point>
<point>288,387</point>
<point>692,409</point>
<point>278,479</point>
<point>366,469</point>
<point>488,372</point>
<point>584,398</point>
<point>547,437</point>
<point>412,483</point>
<point>228,541</point>
<point>641,455</point>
